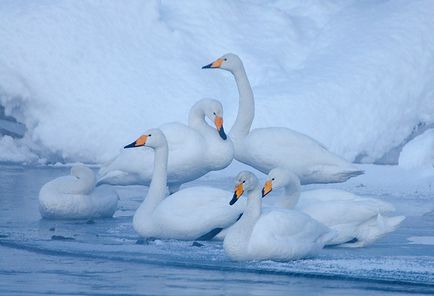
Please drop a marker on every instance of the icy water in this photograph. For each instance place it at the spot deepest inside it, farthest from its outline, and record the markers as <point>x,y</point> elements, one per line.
<point>102,257</point>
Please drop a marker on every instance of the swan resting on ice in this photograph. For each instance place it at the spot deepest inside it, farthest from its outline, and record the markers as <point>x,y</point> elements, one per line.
<point>267,148</point>
<point>358,221</point>
<point>75,197</point>
<point>194,150</point>
<point>189,214</point>
<point>279,234</point>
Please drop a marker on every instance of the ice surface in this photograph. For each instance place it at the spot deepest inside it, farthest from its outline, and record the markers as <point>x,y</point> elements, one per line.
<point>104,253</point>
<point>86,77</point>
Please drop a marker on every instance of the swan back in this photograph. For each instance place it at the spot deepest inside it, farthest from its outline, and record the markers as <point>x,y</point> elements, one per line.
<point>75,197</point>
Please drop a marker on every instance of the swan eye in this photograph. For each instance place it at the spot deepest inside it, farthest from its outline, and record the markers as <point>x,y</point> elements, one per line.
<point>244,181</point>
<point>273,179</point>
<point>225,59</point>
<point>214,113</point>
<point>149,135</point>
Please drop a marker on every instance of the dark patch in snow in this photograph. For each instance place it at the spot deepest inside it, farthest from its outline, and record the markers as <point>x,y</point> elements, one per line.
<point>62,238</point>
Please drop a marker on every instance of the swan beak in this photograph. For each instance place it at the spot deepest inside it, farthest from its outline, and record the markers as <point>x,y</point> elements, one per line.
<point>216,64</point>
<point>138,143</point>
<point>218,121</point>
<point>239,190</point>
<point>268,187</point>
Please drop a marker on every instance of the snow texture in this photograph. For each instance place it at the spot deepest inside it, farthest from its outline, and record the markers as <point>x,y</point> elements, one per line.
<point>419,152</point>
<point>87,77</point>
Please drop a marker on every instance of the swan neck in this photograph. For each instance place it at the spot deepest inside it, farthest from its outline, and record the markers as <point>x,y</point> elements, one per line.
<point>291,197</point>
<point>252,211</point>
<point>157,188</point>
<point>246,109</point>
<point>196,118</point>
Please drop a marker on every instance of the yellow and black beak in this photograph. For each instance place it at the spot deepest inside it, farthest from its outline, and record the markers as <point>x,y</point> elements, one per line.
<point>216,64</point>
<point>138,143</point>
<point>239,190</point>
<point>268,187</point>
<point>218,121</point>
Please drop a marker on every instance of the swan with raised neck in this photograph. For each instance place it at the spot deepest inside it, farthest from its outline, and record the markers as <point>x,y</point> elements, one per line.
<point>274,235</point>
<point>195,150</point>
<point>188,214</point>
<point>266,148</point>
<point>358,221</point>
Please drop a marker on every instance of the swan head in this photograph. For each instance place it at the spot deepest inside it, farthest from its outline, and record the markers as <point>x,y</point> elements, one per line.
<point>229,62</point>
<point>213,110</point>
<point>278,178</point>
<point>152,138</point>
<point>244,181</point>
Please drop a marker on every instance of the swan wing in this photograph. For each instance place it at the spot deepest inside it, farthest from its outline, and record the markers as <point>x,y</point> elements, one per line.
<point>287,234</point>
<point>267,148</point>
<point>192,212</point>
<point>134,166</point>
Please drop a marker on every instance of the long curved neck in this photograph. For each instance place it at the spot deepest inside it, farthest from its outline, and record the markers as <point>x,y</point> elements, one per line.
<point>196,119</point>
<point>246,109</point>
<point>291,195</point>
<point>157,188</point>
<point>252,212</point>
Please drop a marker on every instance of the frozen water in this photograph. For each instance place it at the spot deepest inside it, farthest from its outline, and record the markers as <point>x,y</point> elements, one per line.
<point>85,78</point>
<point>41,256</point>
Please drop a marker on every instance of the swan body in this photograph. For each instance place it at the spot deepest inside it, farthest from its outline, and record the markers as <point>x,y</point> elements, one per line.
<point>194,150</point>
<point>185,215</point>
<point>75,197</point>
<point>278,234</point>
<point>267,148</point>
<point>358,221</point>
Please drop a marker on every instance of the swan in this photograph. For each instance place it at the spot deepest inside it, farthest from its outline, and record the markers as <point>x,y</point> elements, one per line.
<point>75,197</point>
<point>278,234</point>
<point>267,148</point>
<point>195,150</point>
<point>358,221</point>
<point>189,214</point>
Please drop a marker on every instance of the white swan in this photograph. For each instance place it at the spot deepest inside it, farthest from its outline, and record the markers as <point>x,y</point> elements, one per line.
<point>275,235</point>
<point>358,221</point>
<point>192,213</point>
<point>195,150</point>
<point>266,148</point>
<point>75,197</point>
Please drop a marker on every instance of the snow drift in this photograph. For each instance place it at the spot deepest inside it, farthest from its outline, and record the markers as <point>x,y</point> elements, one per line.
<point>87,77</point>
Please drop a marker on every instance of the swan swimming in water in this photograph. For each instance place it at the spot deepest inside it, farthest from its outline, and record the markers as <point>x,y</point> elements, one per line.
<point>75,197</point>
<point>358,221</point>
<point>189,214</point>
<point>267,148</point>
<point>194,150</point>
<point>279,234</point>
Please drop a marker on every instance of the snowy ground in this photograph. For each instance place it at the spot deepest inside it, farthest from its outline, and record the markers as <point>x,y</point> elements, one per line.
<point>102,257</point>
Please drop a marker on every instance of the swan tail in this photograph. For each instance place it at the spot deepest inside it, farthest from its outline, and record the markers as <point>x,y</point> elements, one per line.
<point>331,174</point>
<point>374,229</point>
<point>328,237</point>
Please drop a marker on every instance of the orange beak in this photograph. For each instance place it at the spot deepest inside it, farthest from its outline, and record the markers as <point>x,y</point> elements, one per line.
<point>268,187</point>
<point>239,190</point>
<point>138,143</point>
<point>216,64</point>
<point>218,121</point>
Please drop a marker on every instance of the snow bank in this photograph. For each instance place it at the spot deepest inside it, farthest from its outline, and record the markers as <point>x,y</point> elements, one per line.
<point>86,77</point>
<point>419,152</point>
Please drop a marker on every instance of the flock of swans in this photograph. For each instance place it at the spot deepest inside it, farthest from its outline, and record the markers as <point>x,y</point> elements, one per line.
<point>292,226</point>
